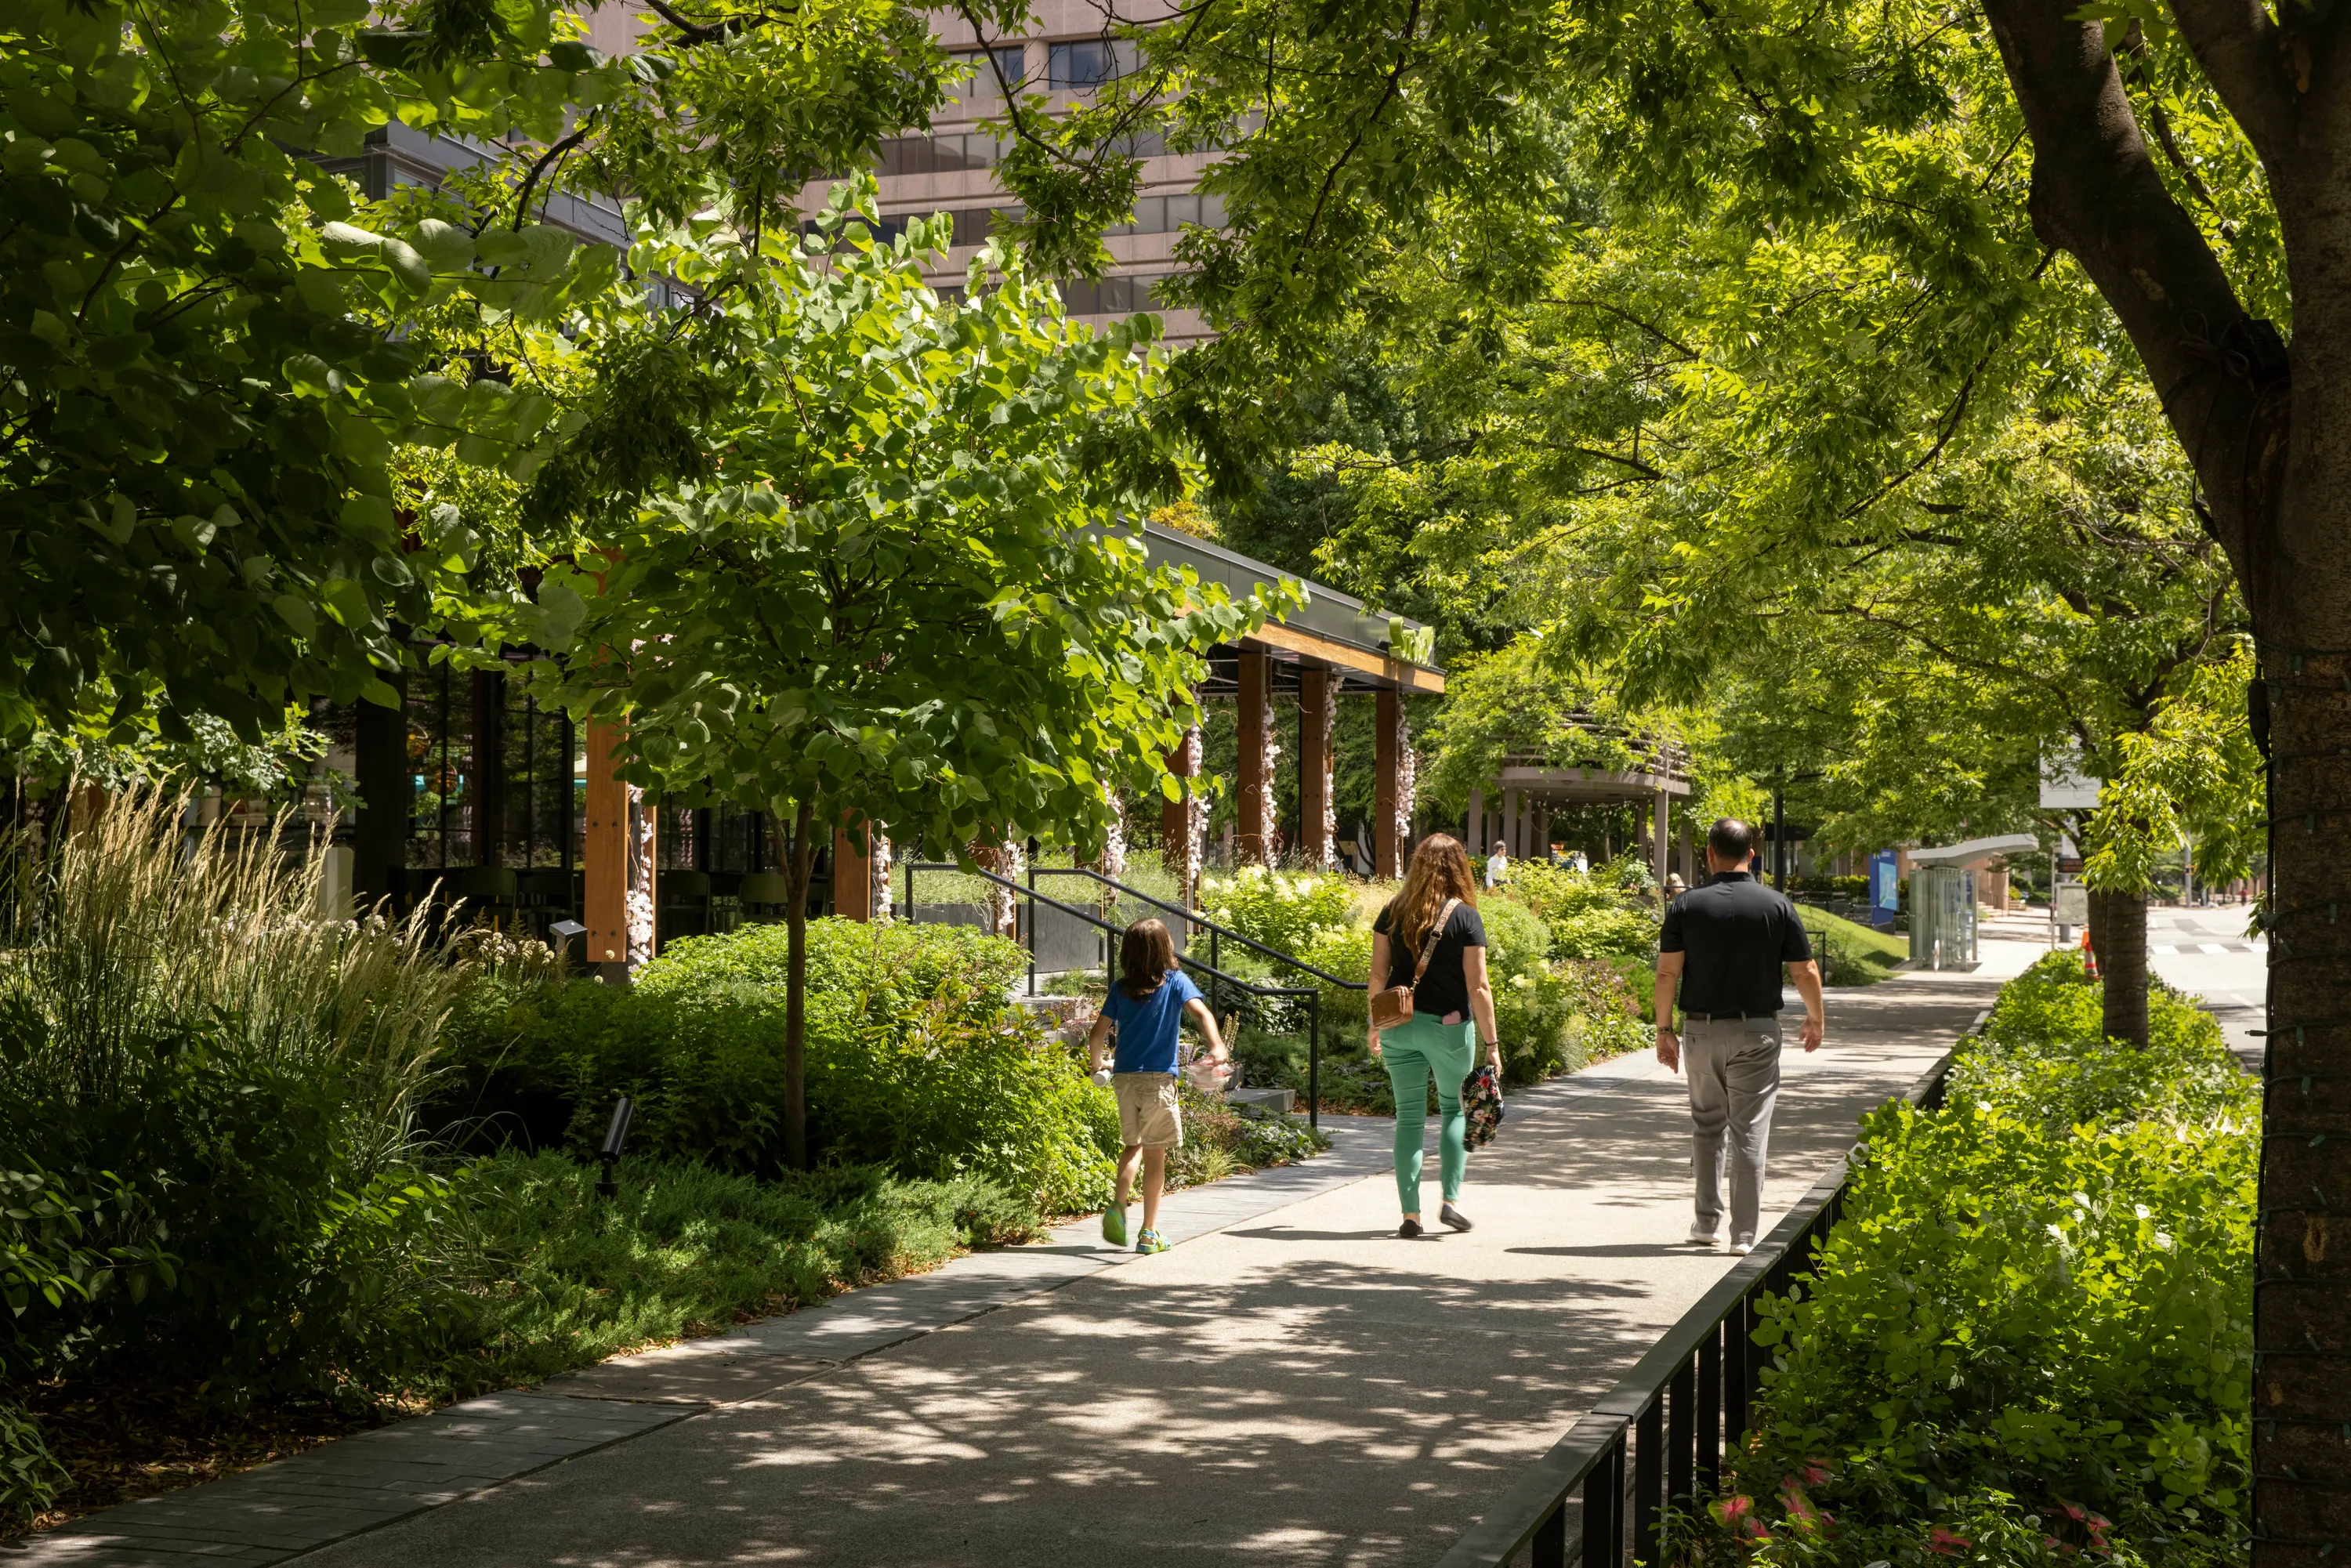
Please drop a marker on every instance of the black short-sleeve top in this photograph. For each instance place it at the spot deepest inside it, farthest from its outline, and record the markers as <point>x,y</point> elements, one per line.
<point>1444,990</point>
<point>1735,933</point>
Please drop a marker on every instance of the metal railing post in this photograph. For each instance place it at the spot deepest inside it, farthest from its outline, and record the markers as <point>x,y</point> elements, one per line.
<point>1549,1548</point>
<point>1709,1410</point>
<point>1681,1431</point>
<point>1032,924</point>
<point>1648,1481</point>
<point>1314,1060</point>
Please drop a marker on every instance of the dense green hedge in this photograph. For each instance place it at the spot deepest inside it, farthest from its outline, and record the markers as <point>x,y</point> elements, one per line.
<point>917,1061</point>
<point>2031,1331</point>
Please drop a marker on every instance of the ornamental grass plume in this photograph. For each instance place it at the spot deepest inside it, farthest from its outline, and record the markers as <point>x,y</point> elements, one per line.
<point>128,926</point>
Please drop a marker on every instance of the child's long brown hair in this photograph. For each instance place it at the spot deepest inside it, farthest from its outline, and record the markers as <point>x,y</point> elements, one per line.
<point>1439,871</point>
<point>1145,953</point>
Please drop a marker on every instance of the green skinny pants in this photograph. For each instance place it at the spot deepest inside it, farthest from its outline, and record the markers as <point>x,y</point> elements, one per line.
<point>1412,1051</point>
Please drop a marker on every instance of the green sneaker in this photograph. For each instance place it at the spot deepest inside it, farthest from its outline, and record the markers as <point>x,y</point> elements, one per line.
<point>1152,1241</point>
<point>1114,1226</point>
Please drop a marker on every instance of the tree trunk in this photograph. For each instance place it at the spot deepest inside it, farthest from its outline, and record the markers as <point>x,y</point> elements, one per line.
<point>2268,429</point>
<point>803,867</point>
<point>2118,936</point>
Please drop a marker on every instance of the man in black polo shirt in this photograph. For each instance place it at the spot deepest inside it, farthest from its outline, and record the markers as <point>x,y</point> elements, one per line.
<point>1724,942</point>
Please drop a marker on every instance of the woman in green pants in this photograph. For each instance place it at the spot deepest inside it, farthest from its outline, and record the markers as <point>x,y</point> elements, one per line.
<point>1452,1011</point>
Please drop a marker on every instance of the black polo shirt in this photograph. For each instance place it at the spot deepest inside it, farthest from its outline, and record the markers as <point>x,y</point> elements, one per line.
<point>1736,933</point>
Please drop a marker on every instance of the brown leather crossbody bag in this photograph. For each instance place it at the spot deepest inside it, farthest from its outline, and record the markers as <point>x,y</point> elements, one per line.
<point>1393,1006</point>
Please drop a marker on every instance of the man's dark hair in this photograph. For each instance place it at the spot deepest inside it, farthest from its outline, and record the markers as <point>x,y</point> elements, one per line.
<point>1731,839</point>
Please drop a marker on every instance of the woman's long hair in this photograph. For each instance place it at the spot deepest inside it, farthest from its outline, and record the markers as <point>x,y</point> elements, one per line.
<point>1145,953</point>
<point>1439,871</point>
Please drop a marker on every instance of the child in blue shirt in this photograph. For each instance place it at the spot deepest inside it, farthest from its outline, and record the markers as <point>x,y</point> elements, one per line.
<point>1147,1003</point>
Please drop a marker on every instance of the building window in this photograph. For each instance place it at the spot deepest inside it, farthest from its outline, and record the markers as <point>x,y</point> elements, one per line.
<point>1010,62</point>
<point>938,154</point>
<point>1112,296</point>
<point>1088,63</point>
<point>1169,214</point>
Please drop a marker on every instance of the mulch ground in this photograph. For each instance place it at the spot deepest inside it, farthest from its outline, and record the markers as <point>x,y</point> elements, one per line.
<point>124,1442</point>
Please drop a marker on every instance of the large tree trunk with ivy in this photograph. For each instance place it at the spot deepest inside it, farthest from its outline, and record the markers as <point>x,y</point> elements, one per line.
<point>2118,938</point>
<point>2268,431</point>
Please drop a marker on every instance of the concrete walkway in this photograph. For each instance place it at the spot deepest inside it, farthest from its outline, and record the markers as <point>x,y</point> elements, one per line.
<point>1291,1384</point>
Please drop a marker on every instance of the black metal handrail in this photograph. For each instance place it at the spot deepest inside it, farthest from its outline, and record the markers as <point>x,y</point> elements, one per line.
<point>1673,1414</point>
<point>1313,997</point>
<point>1194,917</point>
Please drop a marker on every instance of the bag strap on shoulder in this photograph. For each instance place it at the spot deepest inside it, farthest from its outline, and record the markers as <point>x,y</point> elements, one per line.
<point>1429,943</point>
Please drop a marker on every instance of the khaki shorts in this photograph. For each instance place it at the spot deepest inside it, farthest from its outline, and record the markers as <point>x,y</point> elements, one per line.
<point>1147,1113</point>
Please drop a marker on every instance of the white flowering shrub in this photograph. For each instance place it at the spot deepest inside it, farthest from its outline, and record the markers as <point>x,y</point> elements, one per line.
<point>1282,909</point>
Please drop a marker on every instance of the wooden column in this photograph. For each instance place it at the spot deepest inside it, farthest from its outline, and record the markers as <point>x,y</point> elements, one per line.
<point>1539,846</point>
<point>1689,861</point>
<point>1387,781</point>
<point>618,866</point>
<point>852,878</point>
<point>1663,839</point>
<point>1512,810</point>
<point>1254,842</point>
<point>1475,839</point>
<point>1314,825</point>
<point>1177,843</point>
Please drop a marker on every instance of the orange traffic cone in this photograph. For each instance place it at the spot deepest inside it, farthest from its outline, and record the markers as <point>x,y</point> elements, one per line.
<point>2089,957</point>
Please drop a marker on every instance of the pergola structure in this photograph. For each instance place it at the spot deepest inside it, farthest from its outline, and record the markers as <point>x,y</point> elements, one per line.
<point>1529,788</point>
<point>1331,648</point>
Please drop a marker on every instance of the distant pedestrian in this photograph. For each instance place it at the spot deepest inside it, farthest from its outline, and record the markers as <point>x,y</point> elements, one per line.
<point>1498,865</point>
<point>1148,1003</point>
<point>1723,943</point>
<point>1675,887</point>
<point>1434,912</point>
<point>1583,863</point>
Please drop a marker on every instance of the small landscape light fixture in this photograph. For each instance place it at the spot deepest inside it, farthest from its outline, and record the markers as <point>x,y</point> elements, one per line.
<point>564,930</point>
<point>616,1138</point>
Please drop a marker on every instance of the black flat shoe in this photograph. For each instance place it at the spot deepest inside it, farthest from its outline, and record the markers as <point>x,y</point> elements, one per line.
<point>1408,1229</point>
<point>1454,1217</point>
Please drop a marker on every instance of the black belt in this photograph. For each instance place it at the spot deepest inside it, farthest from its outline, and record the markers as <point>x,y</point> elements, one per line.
<point>1726,1017</point>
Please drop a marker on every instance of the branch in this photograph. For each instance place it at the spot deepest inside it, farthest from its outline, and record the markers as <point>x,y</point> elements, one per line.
<point>1659,333</point>
<point>2243,57</point>
<point>1387,96</point>
<point>2133,44</point>
<point>530,180</point>
<point>2098,194</point>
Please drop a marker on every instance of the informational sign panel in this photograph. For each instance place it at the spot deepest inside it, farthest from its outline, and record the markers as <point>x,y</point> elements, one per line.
<point>2072,904</point>
<point>1885,888</point>
<point>2063,788</point>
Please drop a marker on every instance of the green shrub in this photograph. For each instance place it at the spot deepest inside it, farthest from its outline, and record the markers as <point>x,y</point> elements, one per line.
<point>916,1060</point>
<point>30,1476</point>
<point>569,1278</point>
<point>174,1014</point>
<point>1590,915</point>
<point>2034,1318</point>
<point>1282,909</point>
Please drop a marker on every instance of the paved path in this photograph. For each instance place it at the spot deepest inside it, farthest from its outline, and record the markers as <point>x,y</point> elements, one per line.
<point>1289,1385</point>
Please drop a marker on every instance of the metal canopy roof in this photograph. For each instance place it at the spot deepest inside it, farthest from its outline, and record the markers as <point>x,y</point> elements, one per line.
<point>1333,629</point>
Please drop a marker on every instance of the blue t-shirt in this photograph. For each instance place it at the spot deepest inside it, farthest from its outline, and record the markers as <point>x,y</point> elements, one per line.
<point>1147,1029</point>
